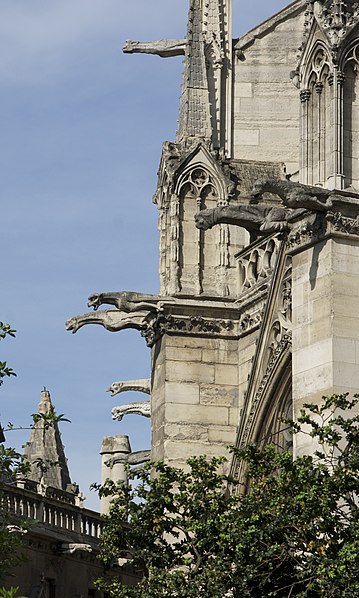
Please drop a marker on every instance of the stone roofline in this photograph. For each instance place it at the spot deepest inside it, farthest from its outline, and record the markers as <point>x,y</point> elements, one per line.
<point>261,30</point>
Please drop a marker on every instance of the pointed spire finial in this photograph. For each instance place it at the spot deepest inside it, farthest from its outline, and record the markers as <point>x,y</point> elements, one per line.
<point>45,405</point>
<point>195,114</point>
<point>45,451</point>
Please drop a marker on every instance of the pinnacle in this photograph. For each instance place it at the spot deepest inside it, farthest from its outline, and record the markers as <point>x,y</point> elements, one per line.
<point>45,405</point>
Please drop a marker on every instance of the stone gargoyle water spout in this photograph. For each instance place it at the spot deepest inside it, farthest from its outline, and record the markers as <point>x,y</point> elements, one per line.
<point>139,408</point>
<point>131,310</point>
<point>295,195</point>
<point>265,218</point>
<point>262,219</point>
<point>111,319</point>
<point>124,300</point>
<point>136,385</point>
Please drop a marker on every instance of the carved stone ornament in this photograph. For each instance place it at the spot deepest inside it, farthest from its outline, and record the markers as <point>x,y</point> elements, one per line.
<point>143,385</point>
<point>194,324</point>
<point>250,322</point>
<point>311,230</point>
<point>342,224</point>
<point>140,408</point>
<point>337,21</point>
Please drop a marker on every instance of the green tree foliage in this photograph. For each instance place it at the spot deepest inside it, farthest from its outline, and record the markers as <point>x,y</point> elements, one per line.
<point>5,370</point>
<point>11,464</point>
<point>295,533</point>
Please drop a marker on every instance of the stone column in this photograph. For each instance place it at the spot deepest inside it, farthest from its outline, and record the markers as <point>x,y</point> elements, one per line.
<point>325,318</point>
<point>114,452</point>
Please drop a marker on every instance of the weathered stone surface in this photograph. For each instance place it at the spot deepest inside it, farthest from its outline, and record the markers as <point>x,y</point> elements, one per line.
<point>219,394</point>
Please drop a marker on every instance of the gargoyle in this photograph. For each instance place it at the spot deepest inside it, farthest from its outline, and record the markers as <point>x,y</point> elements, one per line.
<point>125,301</point>
<point>262,219</point>
<point>141,408</point>
<point>72,547</point>
<point>166,48</point>
<point>137,385</point>
<point>135,458</point>
<point>296,195</point>
<point>111,319</point>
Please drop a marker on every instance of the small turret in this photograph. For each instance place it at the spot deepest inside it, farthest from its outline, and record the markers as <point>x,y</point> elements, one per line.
<point>45,451</point>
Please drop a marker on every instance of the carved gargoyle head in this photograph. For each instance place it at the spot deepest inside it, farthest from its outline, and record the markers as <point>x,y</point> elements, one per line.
<point>72,325</point>
<point>94,301</point>
<point>204,219</point>
<point>259,187</point>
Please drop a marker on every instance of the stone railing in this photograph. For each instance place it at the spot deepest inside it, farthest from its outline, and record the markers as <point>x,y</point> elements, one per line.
<point>53,513</point>
<point>256,262</point>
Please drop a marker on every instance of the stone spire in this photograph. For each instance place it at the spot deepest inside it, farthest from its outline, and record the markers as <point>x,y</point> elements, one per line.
<point>45,451</point>
<point>195,115</point>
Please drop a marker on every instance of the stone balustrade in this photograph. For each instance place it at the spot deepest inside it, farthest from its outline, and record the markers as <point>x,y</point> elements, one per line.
<point>256,262</point>
<point>53,513</point>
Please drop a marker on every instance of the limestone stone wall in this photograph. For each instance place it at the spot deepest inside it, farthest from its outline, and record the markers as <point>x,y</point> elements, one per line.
<point>266,103</point>
<point>325,322</point>
<point>194,397</point>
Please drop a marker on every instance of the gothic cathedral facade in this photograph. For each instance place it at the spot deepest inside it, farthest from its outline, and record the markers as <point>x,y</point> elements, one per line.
<point>258,204</point>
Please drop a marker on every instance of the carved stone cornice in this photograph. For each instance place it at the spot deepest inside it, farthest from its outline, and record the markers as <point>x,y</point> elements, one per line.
<point>343,224</point>
<point>315,227</point>
<point>307,231</point>
<point>188,325</point>
<point>250,321</point>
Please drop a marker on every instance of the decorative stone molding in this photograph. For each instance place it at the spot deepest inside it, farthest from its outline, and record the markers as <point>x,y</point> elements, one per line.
<point>280,349</point>
<point>143,385</point>
<point>337,21</point>
<point>342,224</point>
<point>310,231</point>
<point>140,408</point>
<point>187,325</point>
<point>250,321</point>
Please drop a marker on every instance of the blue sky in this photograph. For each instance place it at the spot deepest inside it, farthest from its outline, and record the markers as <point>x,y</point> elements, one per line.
<point>81,131</point>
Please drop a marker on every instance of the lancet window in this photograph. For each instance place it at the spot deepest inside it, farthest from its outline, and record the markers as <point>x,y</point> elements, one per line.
<point>316,100</point>
<point>196,191</point>
<point>351,117</point>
